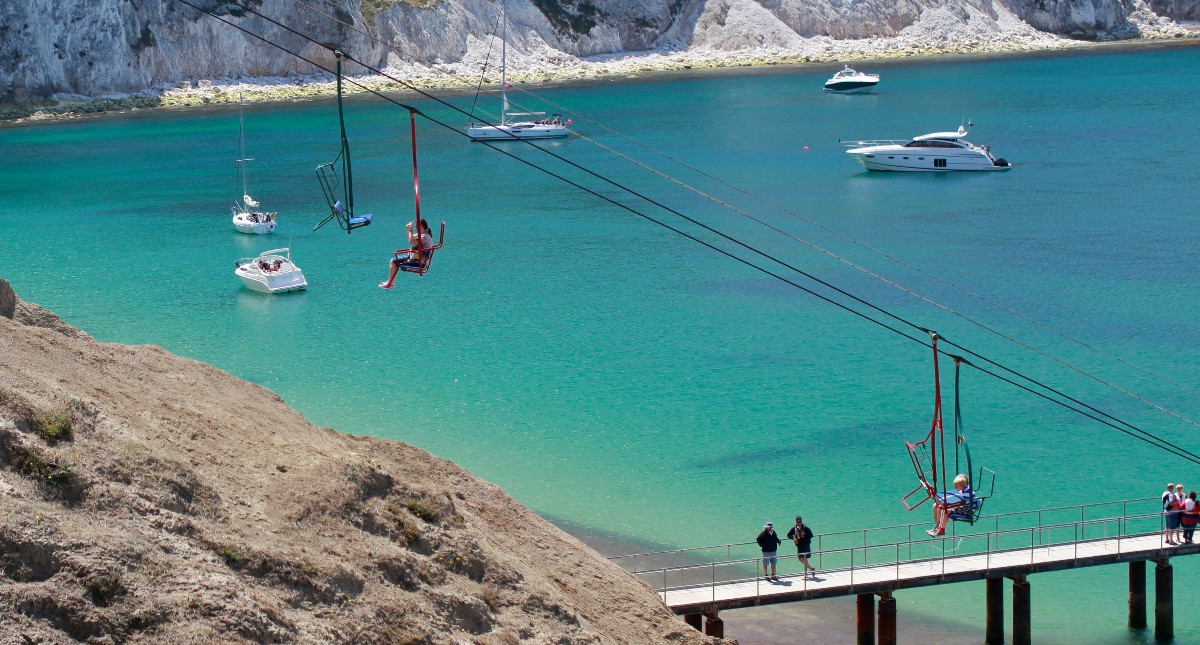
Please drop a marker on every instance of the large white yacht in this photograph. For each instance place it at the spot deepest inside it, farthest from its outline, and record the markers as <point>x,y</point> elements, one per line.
<point>936,152</point>
<point>849,80</point>
<point>271,272</point>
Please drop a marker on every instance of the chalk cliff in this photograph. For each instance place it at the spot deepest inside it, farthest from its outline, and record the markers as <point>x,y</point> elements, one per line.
<point>91,48</point>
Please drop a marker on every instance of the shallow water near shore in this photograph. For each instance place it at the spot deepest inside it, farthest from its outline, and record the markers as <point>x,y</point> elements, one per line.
<point>640,388</point>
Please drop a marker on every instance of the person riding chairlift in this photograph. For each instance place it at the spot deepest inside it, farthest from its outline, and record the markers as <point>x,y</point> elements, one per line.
<point>410,257</point>
<point>946,504</point>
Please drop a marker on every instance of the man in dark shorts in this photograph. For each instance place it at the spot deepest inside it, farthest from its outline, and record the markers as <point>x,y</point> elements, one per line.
<point>802,536</point>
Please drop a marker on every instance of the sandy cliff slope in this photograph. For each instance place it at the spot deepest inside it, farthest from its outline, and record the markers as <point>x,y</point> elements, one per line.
<point>150,498</point>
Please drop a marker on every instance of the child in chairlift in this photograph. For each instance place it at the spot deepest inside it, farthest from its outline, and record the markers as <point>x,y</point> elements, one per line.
<point>948,502</point>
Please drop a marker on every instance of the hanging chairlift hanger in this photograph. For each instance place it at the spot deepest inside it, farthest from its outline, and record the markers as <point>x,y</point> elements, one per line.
<point>341,209</point>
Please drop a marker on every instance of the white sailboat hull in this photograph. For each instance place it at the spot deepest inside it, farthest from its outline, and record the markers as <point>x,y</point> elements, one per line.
<point>516,131</point>
<point>254,223</point>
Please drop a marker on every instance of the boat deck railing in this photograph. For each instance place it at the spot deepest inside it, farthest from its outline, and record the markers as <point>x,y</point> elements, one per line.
<point>874,142</point>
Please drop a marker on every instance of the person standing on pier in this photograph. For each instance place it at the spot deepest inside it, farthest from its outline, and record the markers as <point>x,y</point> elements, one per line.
<point>802,536</point>
<point>1177,511</point>
<point>1166,507</point>
<point>769,542</point>
<point>1190,516</point>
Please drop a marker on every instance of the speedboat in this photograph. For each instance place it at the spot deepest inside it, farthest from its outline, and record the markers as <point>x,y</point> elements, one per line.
<point>271,272</point>
<point>849,80</point>
<point>936,152</point>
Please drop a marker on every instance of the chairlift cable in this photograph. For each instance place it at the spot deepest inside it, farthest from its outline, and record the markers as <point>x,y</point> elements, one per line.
<point>1136,432</point>
<point>816,247</point>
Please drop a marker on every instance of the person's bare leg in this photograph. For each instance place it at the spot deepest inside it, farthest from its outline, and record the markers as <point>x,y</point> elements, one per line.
<point>391,281</point>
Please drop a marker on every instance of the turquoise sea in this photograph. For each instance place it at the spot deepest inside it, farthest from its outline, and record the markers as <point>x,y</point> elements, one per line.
<point>645,391</point>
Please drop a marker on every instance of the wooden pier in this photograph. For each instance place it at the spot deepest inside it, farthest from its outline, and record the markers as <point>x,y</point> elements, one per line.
<point>878,568</point>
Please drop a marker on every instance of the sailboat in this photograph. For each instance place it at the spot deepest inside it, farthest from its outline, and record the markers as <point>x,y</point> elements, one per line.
<point>247,218</point>
<point>525,125</point>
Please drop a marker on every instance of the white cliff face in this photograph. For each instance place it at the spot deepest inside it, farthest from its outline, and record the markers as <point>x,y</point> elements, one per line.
<point>90,48</point>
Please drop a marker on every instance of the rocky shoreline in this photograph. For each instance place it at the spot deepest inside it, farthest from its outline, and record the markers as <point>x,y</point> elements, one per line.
<point>544,70</point>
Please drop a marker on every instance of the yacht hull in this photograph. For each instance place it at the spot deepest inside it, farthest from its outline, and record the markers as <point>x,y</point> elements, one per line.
<point>292,281</point>
<point>243,223</point>
<point>516,131</point>
<point>851,87</point>
<point>932,160</point>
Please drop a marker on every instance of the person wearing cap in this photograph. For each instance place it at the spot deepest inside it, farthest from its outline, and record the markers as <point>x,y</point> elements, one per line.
<point>769,542</point>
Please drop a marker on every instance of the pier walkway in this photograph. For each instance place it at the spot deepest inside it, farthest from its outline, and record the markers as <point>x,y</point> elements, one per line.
<point>697,583</point>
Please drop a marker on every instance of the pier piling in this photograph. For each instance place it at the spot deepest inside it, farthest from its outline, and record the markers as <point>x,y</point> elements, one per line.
<point>714,626</point>
<point>1164,612</point>
<point>887,618</point>
<point>1022,625</point>
<point>866,619</point>
<point>1137,594</point>
<point>994,634</point>
<point>695,620</point>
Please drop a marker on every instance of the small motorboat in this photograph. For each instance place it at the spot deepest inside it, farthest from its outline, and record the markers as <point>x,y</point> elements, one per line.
<point>936,152</point>
<point>271,272</point>
<point>849,80</point>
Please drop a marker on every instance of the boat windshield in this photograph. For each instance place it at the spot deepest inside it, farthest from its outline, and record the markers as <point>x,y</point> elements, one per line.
<point>932,143</point>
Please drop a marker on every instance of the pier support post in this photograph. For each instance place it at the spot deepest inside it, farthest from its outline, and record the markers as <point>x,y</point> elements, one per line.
<point>695,620</point>
<point>1022,626</point>
<point>714,626</point>
<point>866,619</point>
<point>1164,612</point>
<point>887,618</point>
<point>994,633</point>
<point>1137,595</point>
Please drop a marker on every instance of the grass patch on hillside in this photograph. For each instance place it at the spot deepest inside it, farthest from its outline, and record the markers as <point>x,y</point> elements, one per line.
<point>52,427</point>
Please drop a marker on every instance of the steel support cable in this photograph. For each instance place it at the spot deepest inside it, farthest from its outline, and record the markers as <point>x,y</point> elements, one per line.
<point>902,288</point>
<point>416,59</point>
<point>1149,438</point>
<point>816,247</point>
<point>1166,445</point>
<point>576,184</point>
<point>594,174</point>
<point>1052,389</point>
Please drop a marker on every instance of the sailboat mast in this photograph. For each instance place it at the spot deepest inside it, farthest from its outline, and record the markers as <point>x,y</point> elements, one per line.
<point>504,63</point>
<point>242,142</point>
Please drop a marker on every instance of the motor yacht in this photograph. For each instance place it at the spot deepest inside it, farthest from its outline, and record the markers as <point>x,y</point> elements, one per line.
<point>936,152</point>
<point>849,80</point>
<point>271,272</point>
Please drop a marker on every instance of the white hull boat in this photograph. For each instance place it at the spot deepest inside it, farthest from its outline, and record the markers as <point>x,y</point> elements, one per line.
<point>532,127</point>
<point>246,220</point>
<point>545,129</point>
<point>246,216</point>
<point>849,81</point>
<point>271,272</point>
<point>936,152</point>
